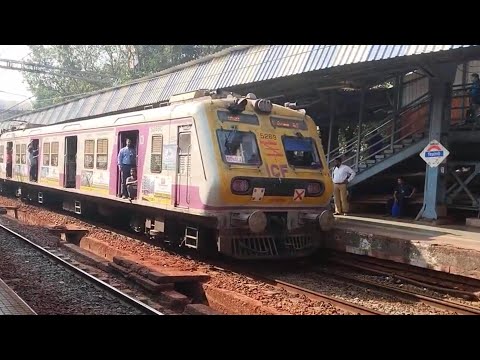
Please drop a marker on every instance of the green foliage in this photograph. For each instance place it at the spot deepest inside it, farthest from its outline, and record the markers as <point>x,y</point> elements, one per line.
<point>123,62</point>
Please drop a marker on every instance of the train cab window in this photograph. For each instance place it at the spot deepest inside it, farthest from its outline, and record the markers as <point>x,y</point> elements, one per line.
<point>46,154</point>
<point>156,157</point>
<point>2,151</point>
<point>102,154</point>
<point>54,154</point>
<point>301,152</point>
<point>239,147</point>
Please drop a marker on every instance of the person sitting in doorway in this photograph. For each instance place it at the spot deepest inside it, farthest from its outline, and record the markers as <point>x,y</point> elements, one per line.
<point>401,195</point>
<point>131,183</point>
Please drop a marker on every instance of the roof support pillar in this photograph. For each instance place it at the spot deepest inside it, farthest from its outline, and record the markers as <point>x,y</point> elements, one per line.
<point>440,87</point>
<point>360,122</point>
<point>331,99</point>
<point>397,104</point>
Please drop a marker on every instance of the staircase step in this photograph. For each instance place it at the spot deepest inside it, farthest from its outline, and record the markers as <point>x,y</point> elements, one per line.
<point>379,157</point>
<point>371,161</point>
<point>407,141</point>
<point>388,152</point>
<point>398,146</point>
<point>362,166</point>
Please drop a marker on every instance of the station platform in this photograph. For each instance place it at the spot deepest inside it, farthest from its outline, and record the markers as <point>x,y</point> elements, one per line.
<point>11,303</point>
<point>451,249</point>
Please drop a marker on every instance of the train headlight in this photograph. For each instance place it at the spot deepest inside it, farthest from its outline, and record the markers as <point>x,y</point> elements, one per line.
<point>240,186</point>
<point>263,105</point>
<point>315,189</point>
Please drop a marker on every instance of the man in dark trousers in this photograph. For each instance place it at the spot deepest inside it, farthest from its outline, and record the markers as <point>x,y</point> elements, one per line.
<point>127,159</point>
<point>132,185</point>
<point>475,96</point>
<point>402,193</point>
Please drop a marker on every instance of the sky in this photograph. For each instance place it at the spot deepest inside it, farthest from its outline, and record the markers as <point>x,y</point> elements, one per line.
<point>11,81</point>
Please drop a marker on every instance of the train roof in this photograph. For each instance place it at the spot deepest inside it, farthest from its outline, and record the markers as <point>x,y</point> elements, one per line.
<point>181,105</point>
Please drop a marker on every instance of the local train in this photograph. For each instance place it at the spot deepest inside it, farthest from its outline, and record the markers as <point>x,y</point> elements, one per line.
<point>235,175</point>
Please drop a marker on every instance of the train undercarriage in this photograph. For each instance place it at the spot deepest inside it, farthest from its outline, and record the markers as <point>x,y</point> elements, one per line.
<point>254,235</point>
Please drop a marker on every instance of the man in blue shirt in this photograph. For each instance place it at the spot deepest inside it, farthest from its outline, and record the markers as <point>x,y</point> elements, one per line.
<point>126,161</point>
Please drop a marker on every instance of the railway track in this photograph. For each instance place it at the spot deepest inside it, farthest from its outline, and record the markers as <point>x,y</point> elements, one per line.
<point>346,306</point>
<point>116,293</point>
<point>409,295</point>
<point>347,302</point>
<point>455,285</point>
<point>443,283</point>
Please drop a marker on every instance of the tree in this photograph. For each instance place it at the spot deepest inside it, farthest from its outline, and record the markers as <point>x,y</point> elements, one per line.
<point>123,62</point>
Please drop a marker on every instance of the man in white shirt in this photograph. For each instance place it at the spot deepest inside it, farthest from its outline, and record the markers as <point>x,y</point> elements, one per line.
<point>342,175</point>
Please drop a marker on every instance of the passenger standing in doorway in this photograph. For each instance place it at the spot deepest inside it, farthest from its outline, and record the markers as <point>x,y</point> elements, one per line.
<point>9,159</point>
<point>126,161</point>
<point>342,175</point>
<point>33,161</point>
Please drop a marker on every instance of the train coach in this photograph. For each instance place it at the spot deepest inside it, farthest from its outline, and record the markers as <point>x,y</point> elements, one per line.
<point>235,175</point>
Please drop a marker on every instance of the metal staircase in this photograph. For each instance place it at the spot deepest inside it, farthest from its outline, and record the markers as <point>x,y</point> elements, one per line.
<point>400,136</point>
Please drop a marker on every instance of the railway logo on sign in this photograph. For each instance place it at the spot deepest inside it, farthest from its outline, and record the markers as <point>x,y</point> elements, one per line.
<point>434,153</point>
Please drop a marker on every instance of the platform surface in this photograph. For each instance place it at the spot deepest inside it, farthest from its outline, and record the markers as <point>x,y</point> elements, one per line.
<point>11,303</point>
<point>448,248</point>
<point>467,237</point>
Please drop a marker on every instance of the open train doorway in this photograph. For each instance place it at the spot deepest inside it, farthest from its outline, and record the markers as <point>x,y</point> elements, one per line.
<point>69,180</point>
<point>33,154</point>
<point>127,162</point>
<point>9,159</point>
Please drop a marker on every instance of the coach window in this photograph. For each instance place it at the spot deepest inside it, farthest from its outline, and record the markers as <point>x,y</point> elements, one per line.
<point>102,154</point>
<point>46,154</point>
<point>156,158</point>
<point>2,150</point>
<point>24,154</point>
<point>17,153</point>
<point>54,154</point>
<point>89,154</point>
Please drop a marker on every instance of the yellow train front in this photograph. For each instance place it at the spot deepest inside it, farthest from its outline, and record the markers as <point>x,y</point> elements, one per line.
<point>269,184</point>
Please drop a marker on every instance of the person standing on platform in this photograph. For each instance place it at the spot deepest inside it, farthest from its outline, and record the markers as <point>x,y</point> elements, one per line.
<point>342,175</point>
<point>401,195</point>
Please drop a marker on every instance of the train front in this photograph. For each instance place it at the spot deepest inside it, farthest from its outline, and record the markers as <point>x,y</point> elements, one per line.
<point>273,189</point>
